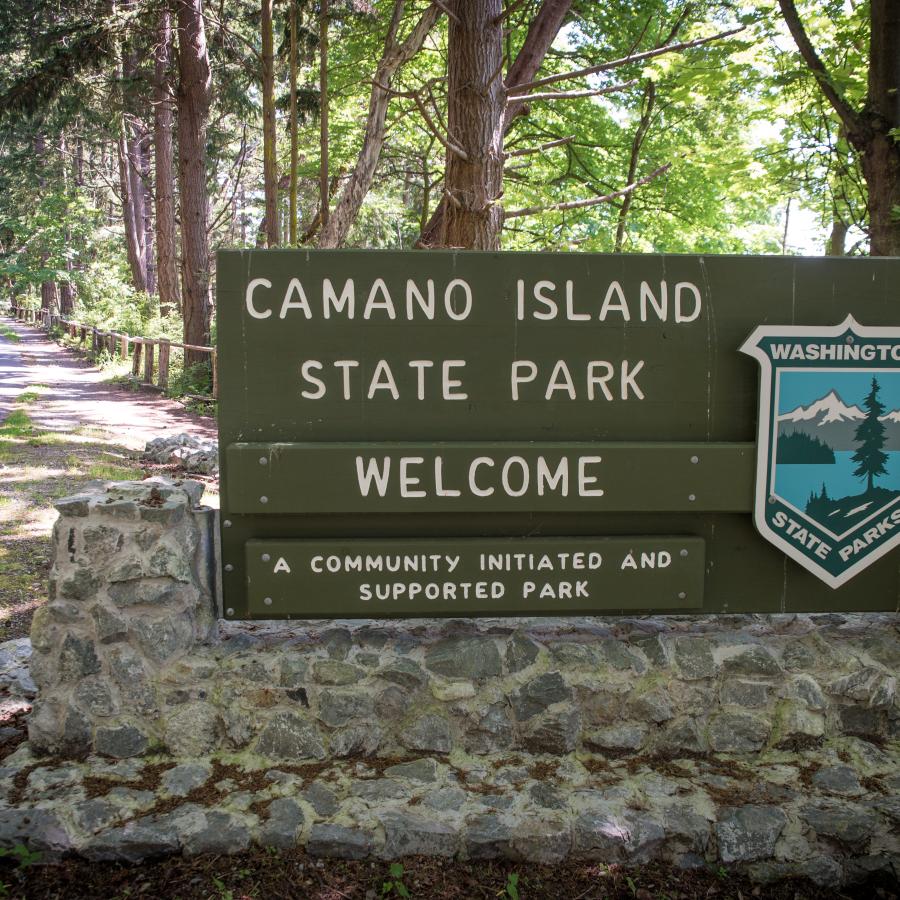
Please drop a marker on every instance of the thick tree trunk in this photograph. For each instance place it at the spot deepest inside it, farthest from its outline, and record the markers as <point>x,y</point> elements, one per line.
<point>292,204</point>
<point>881,155</point>
<point>476,103</point>
<point>194,82</point>
<point>166,242</point>
<point>541,34</point>
<point>323,113</point>
<point>342,217</point>
<point>270,163</point>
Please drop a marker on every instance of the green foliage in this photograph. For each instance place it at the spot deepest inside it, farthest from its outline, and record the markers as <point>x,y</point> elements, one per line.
<point>21,855</point>
<point>512,886</point>
<point>394,887</point>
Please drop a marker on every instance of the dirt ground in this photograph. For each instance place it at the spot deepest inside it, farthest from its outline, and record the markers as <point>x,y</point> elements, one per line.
<point>62,425</point>
<point>292,874</point>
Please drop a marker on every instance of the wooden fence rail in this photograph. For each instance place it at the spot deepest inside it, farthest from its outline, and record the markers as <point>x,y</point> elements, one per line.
<point>149,355</point>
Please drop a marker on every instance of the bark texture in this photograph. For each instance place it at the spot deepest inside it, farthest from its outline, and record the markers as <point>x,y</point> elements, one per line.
<point>528,61</point>
<point>270,167</point>
<point>166,241</point>
<point>868,129</point>
<point>476,103</point>
<point>342,217</point>
<point>193,109</point>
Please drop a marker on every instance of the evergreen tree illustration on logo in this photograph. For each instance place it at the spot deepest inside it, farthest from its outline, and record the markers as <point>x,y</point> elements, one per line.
<point>869,434</point>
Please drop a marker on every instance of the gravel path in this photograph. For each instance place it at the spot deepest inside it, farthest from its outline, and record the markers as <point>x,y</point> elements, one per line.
<point>76,394</point>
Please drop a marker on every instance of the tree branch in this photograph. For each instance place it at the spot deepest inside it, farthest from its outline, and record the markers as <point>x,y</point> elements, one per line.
<point>592,201</point>
<point>624,61</point>
<point>846,113</point>
<point>574,95</point>
<point>542,147</point>
<point>448,144</point>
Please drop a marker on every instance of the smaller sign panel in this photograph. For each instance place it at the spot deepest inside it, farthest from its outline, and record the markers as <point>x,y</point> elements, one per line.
<point>473,576</point>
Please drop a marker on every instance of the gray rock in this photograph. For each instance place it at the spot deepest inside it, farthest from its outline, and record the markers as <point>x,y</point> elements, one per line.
<point>283,826</point>
<point>92,815</point>
<point>133,842</point>
<point>161,592</point>
<point>486,837</point>
<point>193,729</point>
<point>38,829</point>
<point>377,789</point>
<point>181,780</point>
<point>76,506</point>
<point>569,653</point>
<point>805,689</point>
<point>335,672</point>
<point>619,656</point>
<point>547,795</point>
<point>445,799</point>
<point>120,741</point>
<point>338,842</point>
<point>653,647</point>
<point>822,871</point>
<point>852,826</point>
<point>862,721</point>
<point>654,705</point>
<point>293,671</point>
<point>404,672</point>
<point>694,657</point>
<point>464,657</point>
<point>681,735</point>
<point>77,658</point>
<point>422,770</point>
<point>94,696</point>
<point>521,652</point>
<point>687,828</point>
<point>617,738</point>
<point>406,834</point>
<point>738,732</point>
<point>754,659</point>
<point>337,642</point>
<point>223,833</point>
<point>838,780</point>
<point>342,707</point>
<point>493,731</point>
<point>430,733</point>
<point>82,585</point>
<point>162,639</point>
<point>356,740</point>
<point>749,832</point>
<point>110,627</point>
<point>289,736</point>
<point>614,836</point>
<point>322,800</point>
<point>543,841</point>
<point>555,733</point>
<point>130,675</point>
<point>736,692</point>
<point>536,695</point>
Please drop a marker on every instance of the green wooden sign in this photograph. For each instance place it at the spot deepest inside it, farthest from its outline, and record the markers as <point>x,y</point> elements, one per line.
<point>466,397</point>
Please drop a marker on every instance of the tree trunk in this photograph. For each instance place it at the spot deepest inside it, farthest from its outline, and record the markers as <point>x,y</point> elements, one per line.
<point>541,34</point>
<point>323,113</point>
<point>647,101</point>
<point>881,155</point>
<point>292,206</point>
<point>270,163</point>
<point>194,82</point>
<point>342,217</point>
<point>166,241</point>
<point>476,103</point>
<point>837,239</point>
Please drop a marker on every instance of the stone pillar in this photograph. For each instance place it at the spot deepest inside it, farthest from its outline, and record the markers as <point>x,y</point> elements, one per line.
<point>131,590</point>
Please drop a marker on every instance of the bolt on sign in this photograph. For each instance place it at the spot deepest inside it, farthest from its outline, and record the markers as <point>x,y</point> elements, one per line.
<point>442,433</point>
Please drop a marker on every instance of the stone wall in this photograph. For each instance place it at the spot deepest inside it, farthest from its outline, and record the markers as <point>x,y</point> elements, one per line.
<point>765,740</point>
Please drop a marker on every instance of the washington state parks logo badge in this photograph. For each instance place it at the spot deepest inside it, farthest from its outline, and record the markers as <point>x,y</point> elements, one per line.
<point>828,447</point>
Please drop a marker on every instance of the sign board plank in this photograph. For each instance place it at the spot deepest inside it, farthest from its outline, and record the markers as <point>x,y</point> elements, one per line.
<point>490,477</point>
<point>458,349</point>
<point>498,576</point>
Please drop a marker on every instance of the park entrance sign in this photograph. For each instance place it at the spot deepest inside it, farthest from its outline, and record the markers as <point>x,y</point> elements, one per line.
<point>442,433</point>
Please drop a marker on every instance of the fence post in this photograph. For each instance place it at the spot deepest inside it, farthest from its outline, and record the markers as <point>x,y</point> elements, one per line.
<point>123,346</point>
<point>136,362</point>
<point>164,363</point>
<point>95,341</point>
<point>215,374</point>
<point>148,363</point>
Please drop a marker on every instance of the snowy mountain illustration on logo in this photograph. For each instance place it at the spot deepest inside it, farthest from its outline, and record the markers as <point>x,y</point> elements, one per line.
<point>829,408</point>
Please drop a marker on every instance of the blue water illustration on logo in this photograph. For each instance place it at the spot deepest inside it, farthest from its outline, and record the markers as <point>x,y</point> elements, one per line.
<point>837,450</point>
